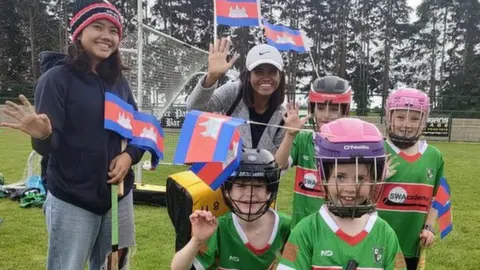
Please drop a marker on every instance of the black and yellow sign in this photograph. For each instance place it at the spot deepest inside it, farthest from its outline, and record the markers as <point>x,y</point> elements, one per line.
<point>437,127</point>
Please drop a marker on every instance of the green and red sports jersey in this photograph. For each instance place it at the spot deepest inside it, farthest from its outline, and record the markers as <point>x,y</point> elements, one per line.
<point>407,195</point>
<point>308,194</point>
<point>318,243</point>
<point>228,247</point>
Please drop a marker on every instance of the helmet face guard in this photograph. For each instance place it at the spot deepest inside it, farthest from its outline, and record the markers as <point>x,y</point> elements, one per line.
<point>407,111</point>
<point>252,188</point>
<point>332,91</point>
<point>360,143</point>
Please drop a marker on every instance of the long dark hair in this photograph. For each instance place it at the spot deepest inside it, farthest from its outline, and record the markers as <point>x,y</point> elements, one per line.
<point>277,98</point>
<point>109,69</point>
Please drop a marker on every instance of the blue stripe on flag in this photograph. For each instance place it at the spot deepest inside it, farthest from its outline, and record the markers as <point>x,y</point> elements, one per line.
<point>444,183</point>
<point>442,209</point>
<point>148,118</point>
<point>282,28</point>
<point>185,136</point>
<point>223,141</point>
<point>114,126</point>
<point>196,167</point>
<point>225,174</point>
<point>237,22</point>
<point>446,231</point>
<point>120,102</point>
<point>286,47</point>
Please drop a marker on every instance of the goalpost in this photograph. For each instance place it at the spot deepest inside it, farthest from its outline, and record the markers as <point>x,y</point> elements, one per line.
<point>162,70</point>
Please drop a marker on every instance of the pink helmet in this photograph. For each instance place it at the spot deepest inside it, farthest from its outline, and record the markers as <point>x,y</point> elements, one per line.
<point>406,99</point>
<point>351,141</point>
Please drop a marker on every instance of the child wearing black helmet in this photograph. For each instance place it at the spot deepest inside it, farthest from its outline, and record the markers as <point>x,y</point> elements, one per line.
<point>252,235</point>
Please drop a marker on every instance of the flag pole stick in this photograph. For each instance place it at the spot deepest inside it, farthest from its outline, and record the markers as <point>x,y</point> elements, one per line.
<point>260,21</point>
<point>214,21</point>
<point>313,63</point>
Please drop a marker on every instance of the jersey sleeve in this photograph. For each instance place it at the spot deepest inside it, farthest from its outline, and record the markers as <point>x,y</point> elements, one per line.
<point>297,253</point>
<point>206,256</point>
<point>293,158</point>
<point>394,259</point>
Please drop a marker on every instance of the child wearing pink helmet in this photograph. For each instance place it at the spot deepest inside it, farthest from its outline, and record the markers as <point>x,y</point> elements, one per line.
<point>346,232</point>
<point>406,202</point>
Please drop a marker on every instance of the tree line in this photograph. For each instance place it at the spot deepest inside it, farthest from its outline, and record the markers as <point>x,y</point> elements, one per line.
<point>372,43</point>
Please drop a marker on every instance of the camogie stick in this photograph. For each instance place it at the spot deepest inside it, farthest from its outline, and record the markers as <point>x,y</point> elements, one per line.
<point>116,190</point>
<point>422,259</point>
<point>114,256</point>
<point>120,186</point>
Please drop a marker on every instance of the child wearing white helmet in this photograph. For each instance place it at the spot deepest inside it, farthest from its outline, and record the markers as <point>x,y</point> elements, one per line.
<point>329,99</point>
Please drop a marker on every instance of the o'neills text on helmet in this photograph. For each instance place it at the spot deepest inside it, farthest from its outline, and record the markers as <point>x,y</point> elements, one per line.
<point>249,174</point>
<point>355,147</point>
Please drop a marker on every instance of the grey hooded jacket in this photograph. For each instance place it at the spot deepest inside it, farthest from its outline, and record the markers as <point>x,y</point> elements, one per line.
<point>221,99</point>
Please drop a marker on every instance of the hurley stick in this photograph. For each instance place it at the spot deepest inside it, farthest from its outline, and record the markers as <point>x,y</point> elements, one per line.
<point>422,259</point>
<point>116,190</point>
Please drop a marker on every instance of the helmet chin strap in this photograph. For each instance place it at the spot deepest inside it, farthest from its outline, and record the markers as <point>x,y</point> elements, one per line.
<point>350,211</point>
<point>402,142</point>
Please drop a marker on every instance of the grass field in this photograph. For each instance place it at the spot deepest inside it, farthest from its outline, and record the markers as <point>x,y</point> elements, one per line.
<point>23,239</point>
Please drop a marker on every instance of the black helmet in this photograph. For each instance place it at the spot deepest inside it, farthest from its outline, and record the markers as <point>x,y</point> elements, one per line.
<point>257,168</point>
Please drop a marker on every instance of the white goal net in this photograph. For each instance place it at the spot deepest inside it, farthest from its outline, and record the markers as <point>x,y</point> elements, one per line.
<point>168,71</point>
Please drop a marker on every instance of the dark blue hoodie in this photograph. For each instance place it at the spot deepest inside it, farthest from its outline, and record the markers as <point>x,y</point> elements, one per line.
<point>80,149</point>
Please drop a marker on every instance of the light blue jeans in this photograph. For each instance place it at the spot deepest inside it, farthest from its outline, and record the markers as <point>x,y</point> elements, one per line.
<point>76,235</point>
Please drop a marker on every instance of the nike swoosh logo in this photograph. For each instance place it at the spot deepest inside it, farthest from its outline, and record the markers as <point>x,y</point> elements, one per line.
<point>262,53</point>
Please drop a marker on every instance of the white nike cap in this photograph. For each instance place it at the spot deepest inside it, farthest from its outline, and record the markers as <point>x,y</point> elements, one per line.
<point>264,54</point>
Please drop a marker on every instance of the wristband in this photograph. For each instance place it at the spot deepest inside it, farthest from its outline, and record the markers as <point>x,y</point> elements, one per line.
<point>429,228</point>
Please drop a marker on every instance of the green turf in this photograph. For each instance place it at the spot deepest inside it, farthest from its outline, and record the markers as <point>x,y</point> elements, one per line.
<point>23,241</point>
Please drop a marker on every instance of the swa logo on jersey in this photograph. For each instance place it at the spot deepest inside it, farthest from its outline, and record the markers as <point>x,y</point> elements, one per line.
<point>397,195</point>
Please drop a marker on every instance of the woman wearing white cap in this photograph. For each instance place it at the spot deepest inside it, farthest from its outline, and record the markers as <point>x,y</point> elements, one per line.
<point>257,95</point>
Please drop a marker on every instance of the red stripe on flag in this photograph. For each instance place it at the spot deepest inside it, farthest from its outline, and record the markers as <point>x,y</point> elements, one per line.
<point>210,172</point>
<point>274,35</point>
<point>442,196</point>
<point>223,8</point>
<point>202,148</point>
<point>445,220</point>
<point>235,138</point>
<point>112,112</point>
<point>138,127</point>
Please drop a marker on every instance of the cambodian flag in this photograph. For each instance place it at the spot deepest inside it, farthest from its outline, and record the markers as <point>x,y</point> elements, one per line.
<point>284,38</point>
<point>205,137</point>
<point>215,173</point>
<point>148,135</point>
<point>118,115</point>
<point>238,12</point>
<point>443,205</point>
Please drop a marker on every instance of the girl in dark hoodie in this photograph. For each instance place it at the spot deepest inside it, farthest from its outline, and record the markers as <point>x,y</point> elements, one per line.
<point>67,124</point>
